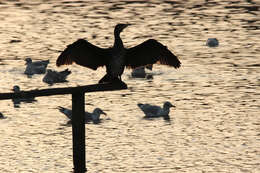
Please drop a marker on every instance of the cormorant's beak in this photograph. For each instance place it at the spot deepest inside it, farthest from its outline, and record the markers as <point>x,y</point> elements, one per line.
<point>126,25</point>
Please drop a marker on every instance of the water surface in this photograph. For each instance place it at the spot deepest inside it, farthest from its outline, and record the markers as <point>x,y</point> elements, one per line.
<point>215,125</point>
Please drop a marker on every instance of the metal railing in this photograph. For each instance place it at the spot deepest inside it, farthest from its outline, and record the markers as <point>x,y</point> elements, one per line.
<point>78,113</point>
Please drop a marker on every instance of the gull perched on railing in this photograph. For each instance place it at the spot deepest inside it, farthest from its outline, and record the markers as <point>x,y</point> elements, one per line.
<point>94,116</point>
<point>37,67</point>
<point>152,111</point>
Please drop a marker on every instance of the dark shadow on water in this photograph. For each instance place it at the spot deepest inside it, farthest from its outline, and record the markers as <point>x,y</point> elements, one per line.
<point>17,102</point>
<point>69,122</point>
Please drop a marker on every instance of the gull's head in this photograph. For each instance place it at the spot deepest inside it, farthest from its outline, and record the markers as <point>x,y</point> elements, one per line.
<point>167,105</point>
<point>99,111</point>
<point>28,60</point>
<point>16,88</point>
<point>96,114</point>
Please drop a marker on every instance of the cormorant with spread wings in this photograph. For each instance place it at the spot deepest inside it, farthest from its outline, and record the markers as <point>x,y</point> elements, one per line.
<point>117,57</point>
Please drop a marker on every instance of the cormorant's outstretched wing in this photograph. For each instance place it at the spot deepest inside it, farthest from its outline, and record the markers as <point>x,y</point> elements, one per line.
<point>84,53</point>
<point>150,52</point>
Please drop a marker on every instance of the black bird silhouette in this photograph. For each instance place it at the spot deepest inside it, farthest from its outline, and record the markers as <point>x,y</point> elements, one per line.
<point>117,57</point>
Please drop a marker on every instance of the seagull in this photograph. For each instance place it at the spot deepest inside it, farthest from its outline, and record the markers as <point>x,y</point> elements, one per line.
<point>53,76</point>
<point>37,67</point>
<point>152,111</point>
<point>17,101</point>
<point>116,58</point>
<point>212,42</point>
<point>94,116</point>
<point>139,72</point>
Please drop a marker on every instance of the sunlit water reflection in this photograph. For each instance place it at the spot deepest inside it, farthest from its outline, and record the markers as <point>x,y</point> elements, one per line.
<point>215,125</point>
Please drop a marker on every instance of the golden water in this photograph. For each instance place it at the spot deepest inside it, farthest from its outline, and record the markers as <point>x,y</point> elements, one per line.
<point>215,126</point>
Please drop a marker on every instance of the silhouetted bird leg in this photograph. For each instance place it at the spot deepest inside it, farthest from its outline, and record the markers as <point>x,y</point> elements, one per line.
<point>107,78</point>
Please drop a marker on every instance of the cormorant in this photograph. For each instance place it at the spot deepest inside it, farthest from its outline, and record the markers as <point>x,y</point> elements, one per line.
<point>117,57</point>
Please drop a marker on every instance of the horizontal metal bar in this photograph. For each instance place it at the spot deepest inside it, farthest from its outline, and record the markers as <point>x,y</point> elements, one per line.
<point>61,91</point>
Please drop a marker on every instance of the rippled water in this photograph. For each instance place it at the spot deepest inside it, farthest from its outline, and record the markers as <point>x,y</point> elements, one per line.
<point>215,125</point>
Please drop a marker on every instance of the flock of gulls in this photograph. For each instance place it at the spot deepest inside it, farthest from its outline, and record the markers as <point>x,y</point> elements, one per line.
<point>115,59</point>
<point>40,67</point>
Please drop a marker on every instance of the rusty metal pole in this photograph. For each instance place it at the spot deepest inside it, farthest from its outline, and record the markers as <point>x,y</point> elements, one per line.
<point>78,132</point>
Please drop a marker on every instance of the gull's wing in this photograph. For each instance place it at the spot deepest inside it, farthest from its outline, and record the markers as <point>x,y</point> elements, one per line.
<point>149,109</point>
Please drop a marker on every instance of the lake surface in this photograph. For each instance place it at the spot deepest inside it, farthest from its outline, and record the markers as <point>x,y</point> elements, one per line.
<point>215,126</point>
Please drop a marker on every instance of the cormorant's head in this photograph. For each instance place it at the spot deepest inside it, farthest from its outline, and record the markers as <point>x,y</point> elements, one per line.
<point>120,27</point>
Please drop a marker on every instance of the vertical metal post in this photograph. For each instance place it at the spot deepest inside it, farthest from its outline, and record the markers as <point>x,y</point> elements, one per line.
<point>78,132</point>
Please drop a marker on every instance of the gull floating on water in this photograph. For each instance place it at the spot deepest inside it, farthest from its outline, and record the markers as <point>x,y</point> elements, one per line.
<point>139,72</point>
<point>94,116</point>
<point>17,101</point>
<point>53,76</point>
<point>212,42</point>
<point>152,111</point>
<point>37,67</point>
